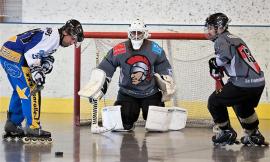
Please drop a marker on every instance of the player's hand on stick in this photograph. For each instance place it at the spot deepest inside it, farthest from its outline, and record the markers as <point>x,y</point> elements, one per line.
<point>38,75</point>
<point>47,64</point>
<point>215,71</point>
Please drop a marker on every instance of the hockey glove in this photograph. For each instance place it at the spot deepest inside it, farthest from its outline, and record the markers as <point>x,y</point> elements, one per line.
<point>47,64</point>
<point>215,71</point>
<point>166,85</point>
<point>38,75</point>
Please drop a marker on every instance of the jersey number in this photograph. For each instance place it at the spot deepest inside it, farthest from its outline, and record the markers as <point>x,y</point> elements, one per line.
<point>248,58</point>
<point>30,36</point>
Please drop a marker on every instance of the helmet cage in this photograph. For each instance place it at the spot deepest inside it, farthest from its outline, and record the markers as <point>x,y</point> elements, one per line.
<point>137,32</point>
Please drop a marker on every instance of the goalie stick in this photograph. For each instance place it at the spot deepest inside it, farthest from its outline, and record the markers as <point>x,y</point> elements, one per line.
<point>95,128</point>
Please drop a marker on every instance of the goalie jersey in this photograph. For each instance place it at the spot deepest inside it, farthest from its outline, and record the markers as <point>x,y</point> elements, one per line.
<point>233,54</point>
<point>31,46</point>
<point>137,67</point>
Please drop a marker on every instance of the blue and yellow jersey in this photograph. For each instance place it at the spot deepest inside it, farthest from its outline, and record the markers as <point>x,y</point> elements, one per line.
<point>31,46</point>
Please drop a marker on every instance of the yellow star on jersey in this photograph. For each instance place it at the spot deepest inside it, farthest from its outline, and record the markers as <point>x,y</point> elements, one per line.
<point>21,92</point>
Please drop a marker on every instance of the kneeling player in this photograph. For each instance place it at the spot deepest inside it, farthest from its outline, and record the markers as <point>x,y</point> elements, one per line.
<point>139,59</point>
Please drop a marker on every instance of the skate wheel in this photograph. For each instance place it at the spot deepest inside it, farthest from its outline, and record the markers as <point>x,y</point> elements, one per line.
<point>9,139</point>
<point>4,136</point>
<point>34,140</point>
<point>42,141</point>
<point>16,139</point>
<point>26,140</point>
<point>49,140</point>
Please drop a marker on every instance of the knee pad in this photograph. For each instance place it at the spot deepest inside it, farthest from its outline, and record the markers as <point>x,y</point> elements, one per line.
<point>247,116</point>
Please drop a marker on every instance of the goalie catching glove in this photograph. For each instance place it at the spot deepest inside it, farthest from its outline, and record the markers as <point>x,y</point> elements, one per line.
<point>97,85</point>
<point>215,70</point>
<point>166,85</point>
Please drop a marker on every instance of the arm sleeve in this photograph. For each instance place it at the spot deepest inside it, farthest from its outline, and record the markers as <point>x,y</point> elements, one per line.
<point>109,64</point>
<point>43,48</point>
<point>162,65</point>
<point>223,52</point>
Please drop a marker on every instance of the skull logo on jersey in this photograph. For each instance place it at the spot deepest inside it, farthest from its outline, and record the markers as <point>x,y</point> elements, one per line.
<point>140,69</point>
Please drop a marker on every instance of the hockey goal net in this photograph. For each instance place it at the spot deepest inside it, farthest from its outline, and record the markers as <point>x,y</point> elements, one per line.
<point>187,52</point>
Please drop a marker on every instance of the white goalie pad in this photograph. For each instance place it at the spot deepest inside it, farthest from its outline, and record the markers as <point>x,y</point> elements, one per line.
<point>179,118</point>
<point>165,118</point>
<point>93,87</point>
<point>166,85</point>
<point>158,119</point>
<point>111,118</point>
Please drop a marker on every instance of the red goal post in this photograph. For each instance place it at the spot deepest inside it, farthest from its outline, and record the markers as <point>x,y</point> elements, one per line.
<point>118,35</point>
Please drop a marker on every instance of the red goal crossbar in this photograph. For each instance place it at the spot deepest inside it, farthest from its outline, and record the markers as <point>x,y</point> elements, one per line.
<point>118,35</point>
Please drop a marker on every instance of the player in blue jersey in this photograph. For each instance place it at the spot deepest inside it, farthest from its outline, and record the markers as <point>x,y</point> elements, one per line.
<point>27,59</point>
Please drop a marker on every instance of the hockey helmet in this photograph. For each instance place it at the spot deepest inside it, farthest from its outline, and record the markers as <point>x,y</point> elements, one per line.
<point>218,20</point>
<point>74,28</point>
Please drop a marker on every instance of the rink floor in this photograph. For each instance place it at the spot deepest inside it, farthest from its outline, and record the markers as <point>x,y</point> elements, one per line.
<point>79,145</point>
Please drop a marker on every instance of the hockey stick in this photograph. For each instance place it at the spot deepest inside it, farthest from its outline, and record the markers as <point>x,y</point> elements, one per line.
<point>36,89</point>
<point>219,86</point>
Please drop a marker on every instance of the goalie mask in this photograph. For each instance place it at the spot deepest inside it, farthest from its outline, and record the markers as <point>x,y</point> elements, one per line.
<point>73,28</point>
<point>137,32</point>
<point>217,22</point>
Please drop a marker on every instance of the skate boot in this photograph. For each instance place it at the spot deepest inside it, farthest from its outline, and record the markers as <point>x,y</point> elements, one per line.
<point>12,132</point>
<point>35,136</point>
<point>223,137</point>
<point>253,138</point>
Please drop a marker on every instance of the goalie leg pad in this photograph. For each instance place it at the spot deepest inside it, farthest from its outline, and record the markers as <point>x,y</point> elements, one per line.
<point>179,118</point>
<point>111,117</point>
<point>158,119</point>
<point>154,100</point>
<point>166,85</point>
<point>97,85</point>
<point>165,118</point>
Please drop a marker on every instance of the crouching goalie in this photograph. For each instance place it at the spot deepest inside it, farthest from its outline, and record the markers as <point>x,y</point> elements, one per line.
<point>142,62</point>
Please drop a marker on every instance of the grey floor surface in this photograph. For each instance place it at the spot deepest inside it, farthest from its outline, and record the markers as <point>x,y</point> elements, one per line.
<point>79,145</point>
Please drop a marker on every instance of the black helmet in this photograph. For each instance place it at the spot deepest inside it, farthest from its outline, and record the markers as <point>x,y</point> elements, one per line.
<point>218,20</point>
<point>74,28</point>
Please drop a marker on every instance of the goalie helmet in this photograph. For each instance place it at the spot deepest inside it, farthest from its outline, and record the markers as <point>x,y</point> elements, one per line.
<point>74,28</point>
<point>218,20</point>
<point>137,32</point>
